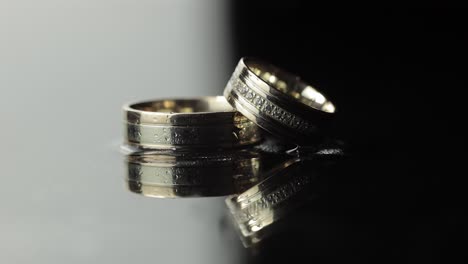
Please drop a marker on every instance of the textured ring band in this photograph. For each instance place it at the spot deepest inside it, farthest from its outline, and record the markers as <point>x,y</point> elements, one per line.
<point>173,175</point>
<point>278,101</point>
<point>207,122</point>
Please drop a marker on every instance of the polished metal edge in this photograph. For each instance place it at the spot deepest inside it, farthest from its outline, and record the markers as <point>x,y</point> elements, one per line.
<point>222,135</point>
<point>138,116</point>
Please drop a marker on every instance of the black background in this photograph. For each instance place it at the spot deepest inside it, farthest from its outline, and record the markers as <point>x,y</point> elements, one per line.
<point>398,79</point>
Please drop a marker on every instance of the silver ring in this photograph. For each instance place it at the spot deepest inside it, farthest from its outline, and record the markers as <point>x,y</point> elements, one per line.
<point>278,101</point>
<point>207,122</point>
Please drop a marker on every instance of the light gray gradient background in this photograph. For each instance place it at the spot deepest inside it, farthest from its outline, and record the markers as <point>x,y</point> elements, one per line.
<point>66,67</point>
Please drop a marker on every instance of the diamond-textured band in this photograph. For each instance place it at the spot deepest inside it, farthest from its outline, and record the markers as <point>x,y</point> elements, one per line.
<point>173,124</point>
<point>278,101</point>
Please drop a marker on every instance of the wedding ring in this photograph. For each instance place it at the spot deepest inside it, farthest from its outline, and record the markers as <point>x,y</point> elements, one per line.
<point>278,101</point>
<point>172,175</point>
<point>207,122</point>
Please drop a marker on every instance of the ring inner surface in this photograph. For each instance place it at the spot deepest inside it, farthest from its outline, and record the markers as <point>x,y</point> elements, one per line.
<point>184,106</point>
<point>291,85</point>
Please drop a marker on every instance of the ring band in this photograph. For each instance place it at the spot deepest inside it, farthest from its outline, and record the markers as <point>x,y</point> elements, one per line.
<point>174,175</point>
<point>278,101</point>
<point>283,189</point>
<point>207,122</point>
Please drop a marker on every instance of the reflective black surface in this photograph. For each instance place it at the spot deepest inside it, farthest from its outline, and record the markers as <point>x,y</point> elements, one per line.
<point>334,206</point>
<point>396,77</point>
<point>262,185</point>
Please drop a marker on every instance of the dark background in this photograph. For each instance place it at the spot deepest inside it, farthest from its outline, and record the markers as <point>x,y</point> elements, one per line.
<point>398,79</point>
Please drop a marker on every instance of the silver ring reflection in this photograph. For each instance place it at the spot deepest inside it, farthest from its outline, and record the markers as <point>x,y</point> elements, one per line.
<point>283,189</point>
<point>175,175</point>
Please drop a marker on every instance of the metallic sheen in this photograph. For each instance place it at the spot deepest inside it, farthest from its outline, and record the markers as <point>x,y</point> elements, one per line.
<point>172,175</point>
<point>207,122</point>
<point>278,101</point>
<point>284,189</point>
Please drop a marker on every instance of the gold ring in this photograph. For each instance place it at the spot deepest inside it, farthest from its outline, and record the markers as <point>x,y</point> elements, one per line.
<point>278,101</point>
<point>172,124</point>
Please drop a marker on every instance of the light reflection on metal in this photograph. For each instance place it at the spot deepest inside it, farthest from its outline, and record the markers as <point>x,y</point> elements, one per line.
<point>175,174</point>
<point>263,188</point>
<point>286,188</point>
